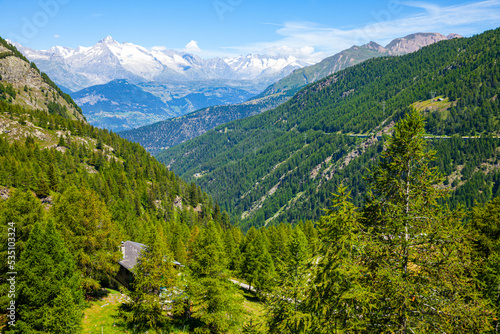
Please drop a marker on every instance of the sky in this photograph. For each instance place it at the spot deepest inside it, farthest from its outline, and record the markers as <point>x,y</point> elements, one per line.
<point>309,30</point>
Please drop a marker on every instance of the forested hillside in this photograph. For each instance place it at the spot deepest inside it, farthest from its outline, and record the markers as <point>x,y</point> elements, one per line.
<point>74,192</point>
<point>282,165</point>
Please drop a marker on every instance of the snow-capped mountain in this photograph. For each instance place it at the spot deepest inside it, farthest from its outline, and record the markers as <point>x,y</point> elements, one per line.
<point>108,60</point>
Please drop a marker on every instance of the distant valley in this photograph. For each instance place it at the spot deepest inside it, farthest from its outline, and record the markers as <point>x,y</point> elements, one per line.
<point>120,105</point>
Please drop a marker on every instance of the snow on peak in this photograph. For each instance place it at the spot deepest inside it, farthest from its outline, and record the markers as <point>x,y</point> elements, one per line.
<point>108,60</point>
<point>107,40</point>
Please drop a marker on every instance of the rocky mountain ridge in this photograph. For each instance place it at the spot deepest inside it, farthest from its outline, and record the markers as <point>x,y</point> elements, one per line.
<point>352,56</point>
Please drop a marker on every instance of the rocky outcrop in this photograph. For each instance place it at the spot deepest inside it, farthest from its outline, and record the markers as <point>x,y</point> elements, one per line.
<point>32,91</point>
<point>415,42</point>
<point>4,193</point>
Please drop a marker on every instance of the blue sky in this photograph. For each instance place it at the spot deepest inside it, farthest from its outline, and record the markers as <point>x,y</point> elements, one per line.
<point>307,29</point>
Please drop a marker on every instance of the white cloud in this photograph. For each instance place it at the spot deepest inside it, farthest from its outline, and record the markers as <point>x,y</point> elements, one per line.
<point>312,42</point>
<point>57,36</point>
<point>192,47</point>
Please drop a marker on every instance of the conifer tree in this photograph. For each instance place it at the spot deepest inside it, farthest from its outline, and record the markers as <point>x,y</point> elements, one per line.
<point>61,141</point>
<point>286,308</point>
<point>340,293</point>
<point>154,282</point>
<point>248,261</point>
<point>21,211</point>
<point>43,189</point>
<point>48,283</point>
<point>485,222</point>
<point>90,234</point>
<point>264,272</point>
<point>217,303</point>
<point>53,180</point>
<point>208,256</point>
<point>419,252</point>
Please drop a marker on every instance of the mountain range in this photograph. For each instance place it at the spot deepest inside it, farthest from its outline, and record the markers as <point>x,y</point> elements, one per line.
<point>352,56</point>
<point>171,132</point>
<point>108,60</point>
<point>183,81</point>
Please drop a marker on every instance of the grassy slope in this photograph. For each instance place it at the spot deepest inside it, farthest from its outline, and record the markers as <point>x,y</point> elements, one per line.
<point>101,315</point>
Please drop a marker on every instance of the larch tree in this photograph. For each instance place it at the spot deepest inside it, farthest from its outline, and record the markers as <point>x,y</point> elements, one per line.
<point>485,222</point>
<point>155,281</point>
<point>50,300</point>
<point>419,254</point>
<point>339,296</point>
<point>258,266</point>
<point>285,303</point>
<point>217,302</point>
<point>90,234</point>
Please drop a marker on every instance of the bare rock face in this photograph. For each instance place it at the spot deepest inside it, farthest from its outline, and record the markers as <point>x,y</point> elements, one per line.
<point>375,46</point>
<point>4,193</point>
<point>415,42</point>
<point>451,36</point>
<point>47,200</point>
<point>32,90</point>
<point>178,202</point>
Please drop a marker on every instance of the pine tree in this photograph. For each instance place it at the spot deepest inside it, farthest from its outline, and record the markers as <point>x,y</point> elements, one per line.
<point>48,283</point>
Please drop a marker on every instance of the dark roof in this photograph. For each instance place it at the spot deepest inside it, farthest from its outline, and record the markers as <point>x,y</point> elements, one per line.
<point>131,253</point>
